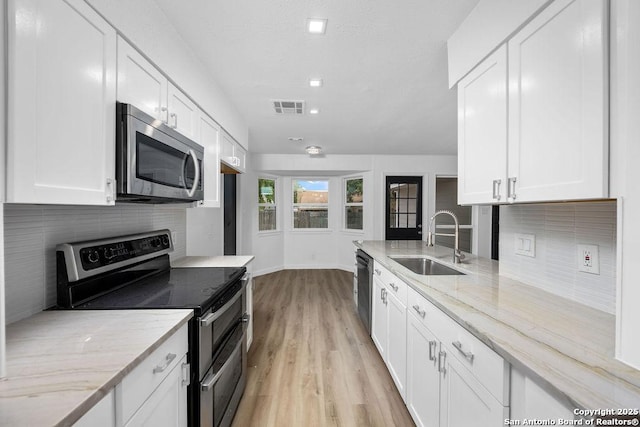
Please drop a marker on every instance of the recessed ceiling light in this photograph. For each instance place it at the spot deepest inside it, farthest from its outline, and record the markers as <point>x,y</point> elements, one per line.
<point>316,25</point>
<point>313,150</point>
<point>296,138</point>
<point>314,111</point>
<point>315,82</point>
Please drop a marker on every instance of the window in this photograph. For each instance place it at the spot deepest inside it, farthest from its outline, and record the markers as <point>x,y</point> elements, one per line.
<point>310,204</point>
<point>353,205</point>
<point>267,204</point>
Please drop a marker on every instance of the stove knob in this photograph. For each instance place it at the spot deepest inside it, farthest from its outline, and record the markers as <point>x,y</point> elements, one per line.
<point>155,242</point>
<point>165,240</point>
<point>93,257</point>
<point>108,253</point>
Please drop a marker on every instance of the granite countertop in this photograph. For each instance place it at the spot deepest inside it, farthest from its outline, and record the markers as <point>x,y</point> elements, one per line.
<point>61,363</point>
<point>213,261</point>
<point>567,347</point>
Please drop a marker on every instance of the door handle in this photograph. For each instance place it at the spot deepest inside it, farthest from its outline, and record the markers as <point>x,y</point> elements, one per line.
<point>196,179</point>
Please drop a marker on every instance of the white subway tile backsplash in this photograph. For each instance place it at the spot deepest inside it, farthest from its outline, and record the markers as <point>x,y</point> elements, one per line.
<point>33,231</point>
<point>559,228</point>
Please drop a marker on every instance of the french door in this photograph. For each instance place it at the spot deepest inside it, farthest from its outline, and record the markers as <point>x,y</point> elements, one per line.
<point>403,210</point>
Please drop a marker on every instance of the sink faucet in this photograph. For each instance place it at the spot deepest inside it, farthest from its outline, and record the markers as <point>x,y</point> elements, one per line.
<point>457,255</point>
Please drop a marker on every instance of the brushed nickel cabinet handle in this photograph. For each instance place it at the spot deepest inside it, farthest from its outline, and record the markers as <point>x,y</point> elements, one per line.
<point>168,359</point>
<point>467,354</point>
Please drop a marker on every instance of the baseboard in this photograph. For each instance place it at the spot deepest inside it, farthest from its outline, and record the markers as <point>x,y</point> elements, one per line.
<point>302,267</point>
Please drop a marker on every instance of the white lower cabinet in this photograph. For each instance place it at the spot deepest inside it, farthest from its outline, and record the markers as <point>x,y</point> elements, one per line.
<point>453,379</point>
<point>423,377</point>
<point>389,324</point>
<point>155,392</point>
<point>529,400</point>
<point>167,405</point>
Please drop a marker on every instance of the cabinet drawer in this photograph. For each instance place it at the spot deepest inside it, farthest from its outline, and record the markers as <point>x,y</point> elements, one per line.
<point>482,362</point>
<point>485,364</point>
<point>138,385</point>
<point>427,313</point>
<point>394,285</point>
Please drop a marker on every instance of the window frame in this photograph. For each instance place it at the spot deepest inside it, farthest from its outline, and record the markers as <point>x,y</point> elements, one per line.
<point>274,204</point>
<point>346,204</point>
<point>323,205</point>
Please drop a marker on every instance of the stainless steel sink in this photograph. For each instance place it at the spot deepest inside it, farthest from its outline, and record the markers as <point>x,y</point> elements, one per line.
<point>425,266</point>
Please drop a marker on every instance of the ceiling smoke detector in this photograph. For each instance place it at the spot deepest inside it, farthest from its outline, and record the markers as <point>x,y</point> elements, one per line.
<point>288,107</point>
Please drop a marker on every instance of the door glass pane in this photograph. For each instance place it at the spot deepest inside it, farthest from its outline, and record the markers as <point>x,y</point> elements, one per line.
<point>413,190</point>
<point>393,221</point>
<point>402,206</point>
<point>411,221</point>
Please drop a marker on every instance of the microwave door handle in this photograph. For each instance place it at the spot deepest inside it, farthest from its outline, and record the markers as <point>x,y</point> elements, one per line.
<point>196,180</point>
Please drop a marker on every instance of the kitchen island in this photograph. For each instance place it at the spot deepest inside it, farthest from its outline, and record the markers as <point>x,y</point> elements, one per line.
<point>61,363</point>
<point>567,347</point>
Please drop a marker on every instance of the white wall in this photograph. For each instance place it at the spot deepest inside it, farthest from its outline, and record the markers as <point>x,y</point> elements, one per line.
<point>144,24</point>
<point>624,170</point>
<point>333,248</point>
<point>559,228</point>
<point>31,233</point>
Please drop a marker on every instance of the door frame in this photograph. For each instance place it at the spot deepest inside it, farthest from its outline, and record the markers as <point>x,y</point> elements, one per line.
<point>427,202</point>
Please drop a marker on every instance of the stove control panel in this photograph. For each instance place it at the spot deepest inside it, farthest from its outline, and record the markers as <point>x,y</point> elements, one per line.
<point>105,254</point>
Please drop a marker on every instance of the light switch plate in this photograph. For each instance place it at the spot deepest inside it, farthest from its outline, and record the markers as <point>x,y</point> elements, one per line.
<point>525,245</point>
<point>589,259</point>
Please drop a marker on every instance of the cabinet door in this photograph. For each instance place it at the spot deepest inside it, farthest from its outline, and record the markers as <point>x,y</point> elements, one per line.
<point>423,378</point>
<point>379,323</point>
<point>464,401</point>
<point>241,158</point>
<point>140,83</point>
<point>167,405</point>
<point>482,132</point>
<point>183,114</point>
<point>397,342</point>
<point>249,292</point>
<point>61,103</point>
<point>558,134</point>
<point>227,150</point>
<point>209,138</point>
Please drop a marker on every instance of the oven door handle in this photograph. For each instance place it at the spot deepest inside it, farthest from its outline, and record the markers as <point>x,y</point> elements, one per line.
<point>208,382</point>
<point>196,179</point>
<point>212,317</point>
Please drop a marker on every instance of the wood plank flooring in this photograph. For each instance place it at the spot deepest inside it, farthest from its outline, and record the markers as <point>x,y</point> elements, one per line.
<point>311,362</point>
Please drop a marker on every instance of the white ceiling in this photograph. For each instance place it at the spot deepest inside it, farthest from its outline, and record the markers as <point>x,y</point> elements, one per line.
<point>384,66</point>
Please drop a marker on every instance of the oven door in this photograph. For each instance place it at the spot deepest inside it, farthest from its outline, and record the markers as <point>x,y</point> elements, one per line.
<point>156,161</point>
<point>222,386</point>
<point>216,323</point>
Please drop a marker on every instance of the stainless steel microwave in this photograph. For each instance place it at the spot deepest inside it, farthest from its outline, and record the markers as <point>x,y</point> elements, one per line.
<point>154,163</point>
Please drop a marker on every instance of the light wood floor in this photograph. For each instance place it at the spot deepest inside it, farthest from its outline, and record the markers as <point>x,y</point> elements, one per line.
<point>311,362</point>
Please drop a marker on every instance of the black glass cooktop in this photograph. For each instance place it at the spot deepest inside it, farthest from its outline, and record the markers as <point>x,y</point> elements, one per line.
<point>195,288</point>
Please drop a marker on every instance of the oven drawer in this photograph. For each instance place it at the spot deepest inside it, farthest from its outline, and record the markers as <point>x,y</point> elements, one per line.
<point>140,383</point>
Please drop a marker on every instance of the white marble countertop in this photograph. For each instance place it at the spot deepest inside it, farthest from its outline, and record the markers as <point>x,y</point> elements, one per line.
<point>213,261</point>
<point>566,346</point>
<point>61,363</point>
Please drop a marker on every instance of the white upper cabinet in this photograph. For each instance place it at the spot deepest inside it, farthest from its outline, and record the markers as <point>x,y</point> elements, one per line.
<point>141,84</point>
<point>209,139</point>
<point>554,135</point>
<point>184,115</point>
<point>61,103</point>
<point>558,110</point>
<point>232,154</point>
<point>482,132</point>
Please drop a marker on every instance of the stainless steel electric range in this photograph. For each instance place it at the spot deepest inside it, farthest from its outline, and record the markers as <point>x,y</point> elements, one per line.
<point>133,272</point>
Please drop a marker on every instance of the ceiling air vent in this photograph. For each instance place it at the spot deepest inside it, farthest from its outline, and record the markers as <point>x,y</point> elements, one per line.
<point>289,107</point>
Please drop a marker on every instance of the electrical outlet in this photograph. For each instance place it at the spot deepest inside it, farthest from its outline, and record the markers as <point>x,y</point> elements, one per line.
<point>589,259</point>
<point>525,244</point>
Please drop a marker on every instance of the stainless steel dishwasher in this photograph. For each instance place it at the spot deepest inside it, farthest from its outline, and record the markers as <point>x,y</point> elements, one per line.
<point>365,283</point>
